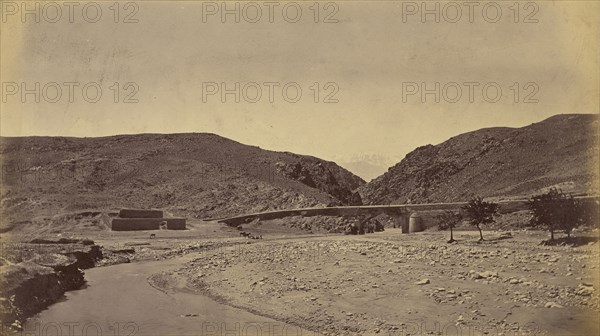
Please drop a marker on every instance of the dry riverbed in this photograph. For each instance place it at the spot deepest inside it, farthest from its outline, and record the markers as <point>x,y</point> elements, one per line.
<point>389,283</point>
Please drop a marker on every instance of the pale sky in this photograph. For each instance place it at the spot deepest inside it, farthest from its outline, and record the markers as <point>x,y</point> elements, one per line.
<point>372,55</point>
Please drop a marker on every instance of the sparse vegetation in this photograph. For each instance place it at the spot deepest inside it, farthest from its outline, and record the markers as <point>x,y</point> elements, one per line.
<point>449,220</point>
<point>479,212</point>
<point>556,210</point>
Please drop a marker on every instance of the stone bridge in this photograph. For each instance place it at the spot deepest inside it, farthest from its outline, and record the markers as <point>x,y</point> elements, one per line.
<point>399,213</point>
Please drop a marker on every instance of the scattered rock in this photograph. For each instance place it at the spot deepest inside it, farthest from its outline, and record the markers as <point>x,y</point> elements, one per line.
<point>584,289</point>
<point>551,304</point>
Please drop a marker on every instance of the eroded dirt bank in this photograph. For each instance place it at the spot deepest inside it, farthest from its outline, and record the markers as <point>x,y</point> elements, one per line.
<point>36,274</point>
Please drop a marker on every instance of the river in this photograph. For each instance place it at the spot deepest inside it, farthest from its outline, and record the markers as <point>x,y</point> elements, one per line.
<point>118,300</point>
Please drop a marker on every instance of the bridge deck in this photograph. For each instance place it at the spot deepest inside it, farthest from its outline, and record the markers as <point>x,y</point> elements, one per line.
<point>505,206</point>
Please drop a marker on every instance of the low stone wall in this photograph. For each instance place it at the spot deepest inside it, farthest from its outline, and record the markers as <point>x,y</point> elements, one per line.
<point>175,223</point>
<point>137,213</point>
<point>141,224</point>
<point>141,220</point>
<point>135,224</point>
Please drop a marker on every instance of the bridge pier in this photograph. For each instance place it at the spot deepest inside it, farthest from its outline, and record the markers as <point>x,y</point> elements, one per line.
<point>400,219</point>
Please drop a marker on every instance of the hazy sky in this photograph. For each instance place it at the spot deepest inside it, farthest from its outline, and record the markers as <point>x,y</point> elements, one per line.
<point>372,54</point>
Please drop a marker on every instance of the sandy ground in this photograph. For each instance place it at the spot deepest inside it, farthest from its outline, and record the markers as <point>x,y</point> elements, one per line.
<point>389,283</point>
<point>209,281</point>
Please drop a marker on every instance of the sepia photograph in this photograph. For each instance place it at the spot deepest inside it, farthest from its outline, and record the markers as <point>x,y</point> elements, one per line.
<point>299,168</point>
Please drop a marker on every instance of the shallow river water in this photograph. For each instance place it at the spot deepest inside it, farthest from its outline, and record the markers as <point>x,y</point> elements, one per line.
<point>118,300</point>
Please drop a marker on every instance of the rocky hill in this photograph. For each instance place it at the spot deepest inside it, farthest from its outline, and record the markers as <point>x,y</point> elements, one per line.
<point>560,151</point>
<point>192,175</point>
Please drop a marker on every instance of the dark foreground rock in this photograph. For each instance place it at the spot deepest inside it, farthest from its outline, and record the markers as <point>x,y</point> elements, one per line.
<point>32,281</point>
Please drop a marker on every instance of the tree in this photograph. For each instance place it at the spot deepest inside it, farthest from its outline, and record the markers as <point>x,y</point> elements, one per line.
<point>571,214</point>
<point>449,220</point>
<point>478,212</point>
<point>542,210</point>
<point>556,210</point>
<point>589,212</point>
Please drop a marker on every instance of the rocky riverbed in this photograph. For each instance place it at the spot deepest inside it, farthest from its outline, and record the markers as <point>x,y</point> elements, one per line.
<point>397,284</point>
<point>385,283</point>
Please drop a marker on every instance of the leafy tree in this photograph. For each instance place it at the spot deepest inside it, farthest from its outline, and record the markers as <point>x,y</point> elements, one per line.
<point>556,210</point>
<point>572,215</point>
<point>542,210</point>
<point>589,212</point>
<point>449,220</point>
<point>478,212</point>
